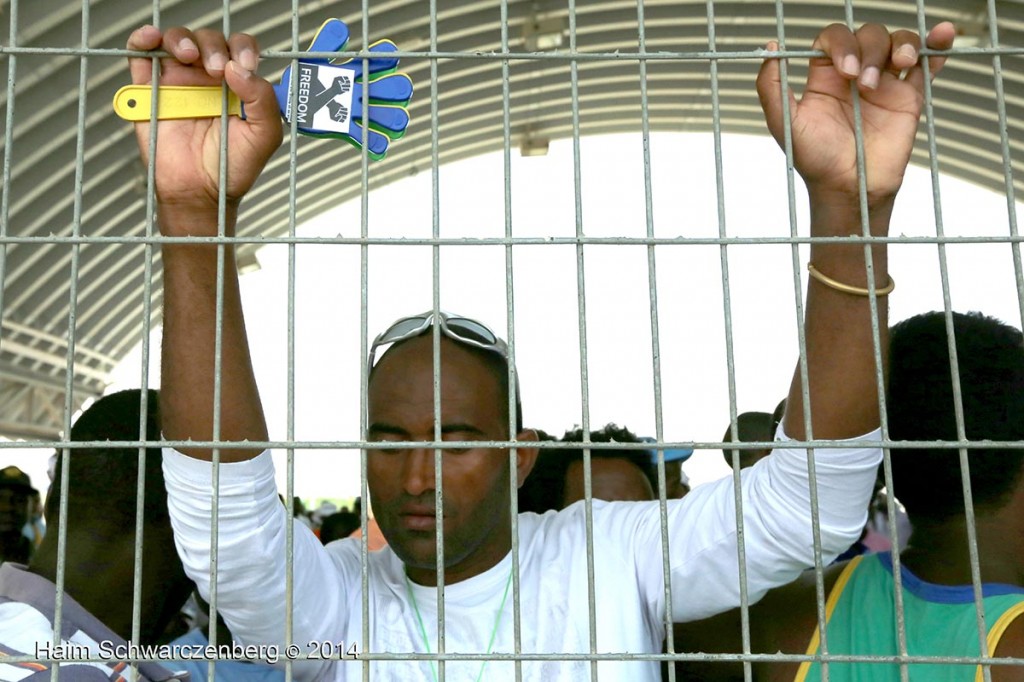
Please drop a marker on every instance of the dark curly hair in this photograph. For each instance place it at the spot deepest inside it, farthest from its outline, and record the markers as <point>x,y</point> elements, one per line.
<point>920,405</point>
<point>544,488</point>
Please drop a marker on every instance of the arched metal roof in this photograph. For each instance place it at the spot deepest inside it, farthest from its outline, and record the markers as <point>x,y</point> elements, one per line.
<point>46,63</point>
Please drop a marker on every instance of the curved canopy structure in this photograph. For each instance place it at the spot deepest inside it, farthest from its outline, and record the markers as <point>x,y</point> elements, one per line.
<point>74,187</point>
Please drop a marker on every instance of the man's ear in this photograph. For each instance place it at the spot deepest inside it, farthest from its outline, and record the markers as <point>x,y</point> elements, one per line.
<point>526,455</point>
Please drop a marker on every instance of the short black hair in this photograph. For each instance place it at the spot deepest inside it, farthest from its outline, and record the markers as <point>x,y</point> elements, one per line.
<point>750,427</point>
<point>495,363</point>
<point>544,489</point>
<point>920,406</point>
<point>104,481</point>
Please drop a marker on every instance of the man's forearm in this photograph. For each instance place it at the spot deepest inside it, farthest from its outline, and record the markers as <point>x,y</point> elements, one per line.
<point>188,354</point>
<point>840,348</point>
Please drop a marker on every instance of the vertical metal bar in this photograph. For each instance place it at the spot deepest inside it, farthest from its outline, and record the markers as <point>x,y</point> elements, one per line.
<point>1011,208</point>
<point>293,152</point>
<point>5,195</point>
<point>506,129</point>
<point>150,229</point>
<point>581,293</point>
<point>972,546</point>
<point>69,405</point>
<point>965,474</point>
<point>897,572</point>
<point>1004,145</point>
<point>436,272</point>
<point>364,219</point>
<point>218,347</point>
<point>869,264</point>
<point>730,358</point>
<point>652,282</point>
<point>798,301</point>
<point>140,487</point>
<point>147,317</point>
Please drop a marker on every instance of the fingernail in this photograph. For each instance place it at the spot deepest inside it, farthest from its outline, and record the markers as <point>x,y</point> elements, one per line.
<point>869,78</point>
<point>850,65</point>
<point>216,62</point>
<point>187,44</point>
<point>907,52</point>
<point>239,70</point>
<point>248,59</point>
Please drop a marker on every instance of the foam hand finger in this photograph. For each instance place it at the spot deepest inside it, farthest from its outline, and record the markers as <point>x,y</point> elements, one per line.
<point>332,36</point>
<point>389,92</point>
<point>382,63</point>
<point>332,99</point>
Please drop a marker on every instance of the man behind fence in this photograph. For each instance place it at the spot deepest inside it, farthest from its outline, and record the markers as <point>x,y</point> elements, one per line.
<point>939,613</point>
<point>553,586</point>
<point>100,552</point>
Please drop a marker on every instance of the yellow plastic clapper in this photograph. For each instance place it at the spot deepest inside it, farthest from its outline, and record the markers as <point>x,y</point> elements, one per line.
<point>134,102</point>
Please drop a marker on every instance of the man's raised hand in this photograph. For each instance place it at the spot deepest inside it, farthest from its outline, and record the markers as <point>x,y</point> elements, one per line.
<point>188,151</point>
<point>890,80</point>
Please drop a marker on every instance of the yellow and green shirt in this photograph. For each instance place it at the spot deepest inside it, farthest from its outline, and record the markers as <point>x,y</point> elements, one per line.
<point>940,620</point>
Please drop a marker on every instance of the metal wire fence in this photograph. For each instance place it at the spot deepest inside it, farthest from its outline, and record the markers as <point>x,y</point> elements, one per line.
<point>79,245</point>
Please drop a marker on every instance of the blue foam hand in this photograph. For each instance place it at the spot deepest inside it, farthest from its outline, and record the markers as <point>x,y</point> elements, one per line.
<point>331,97</point>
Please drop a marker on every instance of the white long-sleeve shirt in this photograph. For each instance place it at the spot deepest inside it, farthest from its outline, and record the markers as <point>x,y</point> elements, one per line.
<point>555,614</point>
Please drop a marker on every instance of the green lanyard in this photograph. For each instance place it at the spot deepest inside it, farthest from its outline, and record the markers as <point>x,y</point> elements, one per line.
<point>423,630</point>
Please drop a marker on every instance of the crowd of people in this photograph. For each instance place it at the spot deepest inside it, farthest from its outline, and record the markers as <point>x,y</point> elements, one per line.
<point>644,562</point>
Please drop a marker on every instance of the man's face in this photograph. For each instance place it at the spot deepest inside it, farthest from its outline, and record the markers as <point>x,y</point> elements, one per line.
<point>476,481</point>
<point>611,479</point>
<point>13,509</point>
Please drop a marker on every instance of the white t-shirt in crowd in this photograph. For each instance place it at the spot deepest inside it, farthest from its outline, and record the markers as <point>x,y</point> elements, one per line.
<point>555,618</point>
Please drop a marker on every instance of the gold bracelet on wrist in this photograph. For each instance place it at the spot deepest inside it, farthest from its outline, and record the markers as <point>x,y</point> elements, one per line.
<point>846,288</point>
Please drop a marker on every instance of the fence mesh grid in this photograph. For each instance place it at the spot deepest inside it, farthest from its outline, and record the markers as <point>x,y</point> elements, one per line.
<point>76,244</point>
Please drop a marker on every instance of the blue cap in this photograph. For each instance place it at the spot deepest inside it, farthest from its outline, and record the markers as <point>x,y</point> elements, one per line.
<point>671,454</point>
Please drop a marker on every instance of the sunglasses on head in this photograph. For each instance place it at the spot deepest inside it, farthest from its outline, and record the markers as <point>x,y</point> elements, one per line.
<point>461,329</point>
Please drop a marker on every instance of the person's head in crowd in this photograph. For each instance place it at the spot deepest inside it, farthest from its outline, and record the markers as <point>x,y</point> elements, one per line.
<point>677,483</point>
<point>615,474</point>
<point>474,393</point>
<point>750,427</point>
<point>920,407</point>
<point>101,521</point>
<point>322,512</point>
<point>15,493</point>
<point>337,526</point>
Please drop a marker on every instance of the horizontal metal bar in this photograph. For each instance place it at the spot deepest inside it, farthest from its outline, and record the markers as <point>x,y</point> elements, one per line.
<point>604,656</point>
<point>504,444</point>
<point>696,55</point>
<point>519,241</point>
